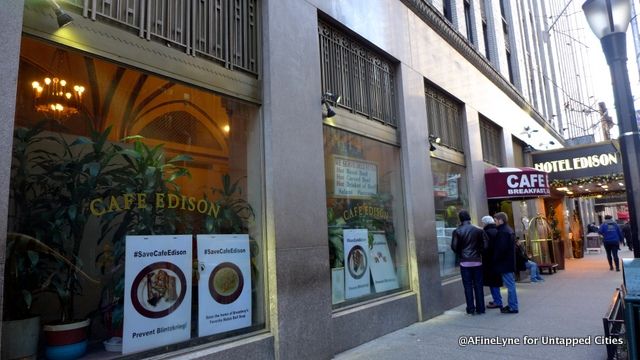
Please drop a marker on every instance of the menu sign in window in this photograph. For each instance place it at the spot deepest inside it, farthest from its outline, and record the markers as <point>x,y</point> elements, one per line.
<point>354,177</point>
<point>224,288</point>
<point>157,279</point>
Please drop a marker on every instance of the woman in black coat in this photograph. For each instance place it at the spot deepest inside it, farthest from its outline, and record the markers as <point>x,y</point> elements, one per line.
<point>491,277</point>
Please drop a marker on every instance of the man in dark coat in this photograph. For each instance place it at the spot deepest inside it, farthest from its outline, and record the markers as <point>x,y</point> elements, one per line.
<point>468,242</point>
<point>491,277</point>
<point>626,231</point>
<point>504,259</point>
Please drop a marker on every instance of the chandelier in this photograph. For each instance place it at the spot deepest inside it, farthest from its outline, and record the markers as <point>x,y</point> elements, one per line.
<point>54,96</point>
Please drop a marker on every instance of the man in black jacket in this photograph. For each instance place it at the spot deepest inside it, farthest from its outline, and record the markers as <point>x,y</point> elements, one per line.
<point>504,260</point>
<point>626,231</point>
<point>468,242</point>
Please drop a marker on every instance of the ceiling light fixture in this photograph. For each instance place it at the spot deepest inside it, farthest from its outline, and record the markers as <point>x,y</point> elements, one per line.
<point>55,96</point>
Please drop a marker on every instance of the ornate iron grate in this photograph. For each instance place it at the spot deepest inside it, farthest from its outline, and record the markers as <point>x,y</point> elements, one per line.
<point>225,31</point>
<point>362,78</point>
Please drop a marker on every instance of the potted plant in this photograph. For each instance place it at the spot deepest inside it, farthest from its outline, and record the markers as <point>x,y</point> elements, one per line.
<point>53,182</point>
<point>26,273</point>
<point>24,279</point>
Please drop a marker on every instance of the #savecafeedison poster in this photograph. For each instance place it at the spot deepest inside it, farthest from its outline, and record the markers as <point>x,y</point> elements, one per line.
<point>356,262</point>
<point>224,288</point>
<point>157,279</point>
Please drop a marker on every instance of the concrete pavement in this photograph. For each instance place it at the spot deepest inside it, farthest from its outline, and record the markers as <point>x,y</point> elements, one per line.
<point>568,305</point>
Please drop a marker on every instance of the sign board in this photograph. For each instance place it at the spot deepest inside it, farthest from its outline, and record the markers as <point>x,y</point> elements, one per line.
<point>579,161</point>
<point>356,263</point>
<point>157,279</point>
<point>224,288</point>
<point>354,177</point>
<point>509,183</point>
<point>383,272</point>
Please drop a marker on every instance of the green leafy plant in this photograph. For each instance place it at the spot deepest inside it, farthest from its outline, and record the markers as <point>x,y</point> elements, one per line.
<point>54,181</point>
<point>234,212</point>
<point>145,171</point>
<point>28,273</point>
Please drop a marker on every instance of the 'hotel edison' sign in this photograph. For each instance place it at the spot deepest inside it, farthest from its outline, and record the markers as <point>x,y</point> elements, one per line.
<point>579,162</point>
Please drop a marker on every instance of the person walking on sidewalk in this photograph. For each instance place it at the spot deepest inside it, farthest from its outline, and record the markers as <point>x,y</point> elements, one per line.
<point>491,277</point>
<point>468,242</point>
<point>626,231</point>
<point>612,237</point>
<point>504,258</point>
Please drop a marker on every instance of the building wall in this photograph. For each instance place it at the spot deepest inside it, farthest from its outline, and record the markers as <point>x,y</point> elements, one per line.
<point>296,213</point>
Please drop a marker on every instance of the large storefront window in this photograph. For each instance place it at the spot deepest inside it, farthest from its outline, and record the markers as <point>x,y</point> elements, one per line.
<point>368,250</point>
<point>450,196</point>
<point>135,208</point>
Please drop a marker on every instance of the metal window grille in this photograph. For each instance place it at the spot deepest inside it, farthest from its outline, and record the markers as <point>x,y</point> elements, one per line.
<point>225,31</point>
<point>490,138</point>
<point>363,79</point>
<point>444,117</point>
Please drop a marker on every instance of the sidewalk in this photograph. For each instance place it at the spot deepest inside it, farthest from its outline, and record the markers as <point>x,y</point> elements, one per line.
<point>569,304</point>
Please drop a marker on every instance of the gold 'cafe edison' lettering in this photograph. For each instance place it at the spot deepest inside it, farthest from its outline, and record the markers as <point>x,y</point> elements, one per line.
<point>366,210</point>
<point>127,201</point>
<point>578,163</point>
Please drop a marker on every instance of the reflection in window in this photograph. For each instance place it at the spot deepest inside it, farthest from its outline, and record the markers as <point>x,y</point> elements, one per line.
<point>368,251</point>
<point>146,156</point>
<point>450,196</point>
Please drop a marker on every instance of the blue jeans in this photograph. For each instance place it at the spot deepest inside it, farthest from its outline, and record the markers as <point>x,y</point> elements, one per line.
<point>495,294</point>
<point>472,282</point>
<point>533,269</point>
<point>509,281</point>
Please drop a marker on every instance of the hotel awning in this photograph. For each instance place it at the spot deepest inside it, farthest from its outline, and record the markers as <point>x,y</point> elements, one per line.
<point>516,183</point>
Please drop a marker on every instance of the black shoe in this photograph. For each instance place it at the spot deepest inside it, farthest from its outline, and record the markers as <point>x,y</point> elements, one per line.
<point>508,310</point>
<point>617,269</point>
<point>610,268</point>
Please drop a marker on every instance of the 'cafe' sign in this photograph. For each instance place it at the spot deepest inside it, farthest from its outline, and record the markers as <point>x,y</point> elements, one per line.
<point>506,183</point>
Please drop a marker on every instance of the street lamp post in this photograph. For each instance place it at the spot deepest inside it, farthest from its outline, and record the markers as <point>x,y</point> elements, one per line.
<point>609,20</point>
